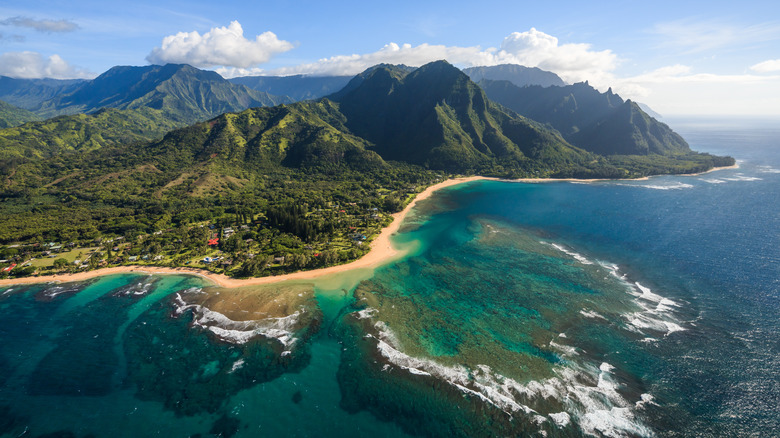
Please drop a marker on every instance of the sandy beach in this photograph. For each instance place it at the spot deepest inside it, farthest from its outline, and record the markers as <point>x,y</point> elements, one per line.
<point>381,252</point>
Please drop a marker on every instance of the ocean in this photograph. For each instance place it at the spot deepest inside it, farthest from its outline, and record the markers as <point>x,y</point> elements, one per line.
<point>620,308</point>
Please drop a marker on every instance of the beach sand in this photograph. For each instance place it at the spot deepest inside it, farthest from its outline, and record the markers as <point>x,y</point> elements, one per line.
<point>381,252</point>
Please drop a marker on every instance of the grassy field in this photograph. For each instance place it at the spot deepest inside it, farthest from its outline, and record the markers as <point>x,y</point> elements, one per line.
<point>70,256</point>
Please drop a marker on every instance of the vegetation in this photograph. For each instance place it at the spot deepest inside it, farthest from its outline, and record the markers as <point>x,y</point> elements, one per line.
<point>182,93</point>
<point>602,123</point>
<point>11,116</point>
<point>83,132</point>
<point>281,221</point>
<point>269,190</point>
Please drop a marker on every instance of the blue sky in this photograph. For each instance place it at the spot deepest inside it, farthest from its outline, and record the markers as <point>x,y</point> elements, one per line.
<point>679,57</point>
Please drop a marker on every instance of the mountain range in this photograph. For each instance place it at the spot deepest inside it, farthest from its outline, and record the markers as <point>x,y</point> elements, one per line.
<point>437,117</point>
<point>145,102</point>
<point>434,116</point>
<point>129,166</point>
<point>598,122</point>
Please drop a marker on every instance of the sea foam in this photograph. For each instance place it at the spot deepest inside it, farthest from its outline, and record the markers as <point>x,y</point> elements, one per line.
<point>662,186</point>
<point>577,256</point>
<point>599,409</point>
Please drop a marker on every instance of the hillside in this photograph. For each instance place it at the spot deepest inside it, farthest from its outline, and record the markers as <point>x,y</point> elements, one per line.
<point>11,115</point>
<point>300,135</point>
<point>123,105</point>
<point>83,132</point>
<point>519,75</point>
<point>598,122</point>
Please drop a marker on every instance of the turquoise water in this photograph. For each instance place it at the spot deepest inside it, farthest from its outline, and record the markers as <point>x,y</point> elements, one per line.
<point>641,308</point>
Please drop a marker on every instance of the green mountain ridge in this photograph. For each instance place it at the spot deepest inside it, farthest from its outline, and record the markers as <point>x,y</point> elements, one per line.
<point>437,117</point>
<point>300,135</point>
<point>123,105</point>
<point>434,116</point>
<point>183,93</point>
<point>83,132</point>
<point>602,123</point>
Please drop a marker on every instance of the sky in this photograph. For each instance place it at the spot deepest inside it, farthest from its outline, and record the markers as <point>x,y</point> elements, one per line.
<point>679,57</point>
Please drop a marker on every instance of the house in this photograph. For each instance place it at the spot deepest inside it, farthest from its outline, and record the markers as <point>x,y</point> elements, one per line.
<point>132,258</point>
<point>279,260</point>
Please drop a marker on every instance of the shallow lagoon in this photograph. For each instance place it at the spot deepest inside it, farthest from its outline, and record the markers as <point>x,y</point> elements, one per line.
<point>620,308</point>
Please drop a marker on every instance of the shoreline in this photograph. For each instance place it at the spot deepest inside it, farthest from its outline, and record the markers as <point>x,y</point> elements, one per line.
<point>381,252</point>
<point>733,166</point>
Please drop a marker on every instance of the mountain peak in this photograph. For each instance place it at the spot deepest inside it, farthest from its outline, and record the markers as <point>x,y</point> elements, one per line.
<point>436,116</point>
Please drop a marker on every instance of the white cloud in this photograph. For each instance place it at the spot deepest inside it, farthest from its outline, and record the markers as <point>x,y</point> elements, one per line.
<point>41,25</point>
<point>392,53</point>
<point>221,46</point>
<point>769,66</point>
<point>573,62</point>
<point>677,90</point>
<point>30,65</point>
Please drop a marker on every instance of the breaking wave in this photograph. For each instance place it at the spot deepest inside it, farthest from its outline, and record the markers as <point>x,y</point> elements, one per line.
<point>241,332</point>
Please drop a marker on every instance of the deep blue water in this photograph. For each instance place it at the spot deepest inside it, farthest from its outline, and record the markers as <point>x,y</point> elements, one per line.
<point>625,308</point>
